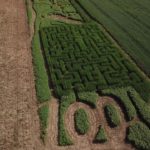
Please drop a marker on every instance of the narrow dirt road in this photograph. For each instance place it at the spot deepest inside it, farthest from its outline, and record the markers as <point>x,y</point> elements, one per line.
<point>64,19</point>
<point>19,123</point>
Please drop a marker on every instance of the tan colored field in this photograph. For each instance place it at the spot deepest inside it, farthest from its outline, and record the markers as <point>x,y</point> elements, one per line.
<point>19,123</point>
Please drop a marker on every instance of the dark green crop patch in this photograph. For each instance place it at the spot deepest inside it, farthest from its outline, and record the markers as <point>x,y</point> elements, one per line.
<point>101,135</point>
<point>43,114</point>
<point>112,115</point>
<point>139,135</point>
<point>127,25</point>
<point>41,78</point>
<point>142,107</point>
<point>120,95</point>
<point>63,136</point>
<point>89,98</point>
<point>81,121</point>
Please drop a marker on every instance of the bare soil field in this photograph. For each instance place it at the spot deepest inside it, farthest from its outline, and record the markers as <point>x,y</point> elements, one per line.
<point>19,123</point>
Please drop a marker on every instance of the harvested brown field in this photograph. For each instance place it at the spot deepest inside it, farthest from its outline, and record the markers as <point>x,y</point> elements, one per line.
<point>19,123</point>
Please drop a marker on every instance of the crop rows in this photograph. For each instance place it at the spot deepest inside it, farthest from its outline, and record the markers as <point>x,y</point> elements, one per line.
<point>129,26</point>
<point>81,121</point>
<point>81,58</point>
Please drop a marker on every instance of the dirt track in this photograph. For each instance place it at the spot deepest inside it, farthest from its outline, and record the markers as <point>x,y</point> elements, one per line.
<point>64,19</point>
<point>19,124</point>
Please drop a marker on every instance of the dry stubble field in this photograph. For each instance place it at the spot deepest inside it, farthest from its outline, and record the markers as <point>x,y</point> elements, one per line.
<point>19,124</point>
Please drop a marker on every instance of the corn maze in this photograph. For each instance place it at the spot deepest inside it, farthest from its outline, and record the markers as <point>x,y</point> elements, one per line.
<point>81,58</point>
<point>127,21</point>
<point>87,70</point>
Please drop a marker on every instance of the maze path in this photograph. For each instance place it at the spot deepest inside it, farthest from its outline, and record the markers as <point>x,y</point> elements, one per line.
<point>82,58</point>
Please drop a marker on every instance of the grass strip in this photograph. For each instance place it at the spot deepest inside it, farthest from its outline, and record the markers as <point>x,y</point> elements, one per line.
<point>63,136</point>
<point>43,115</point>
